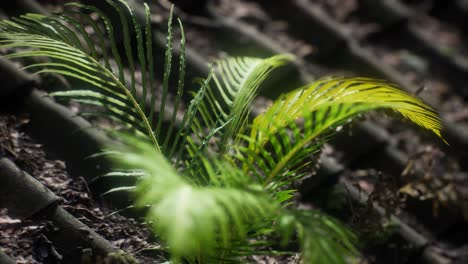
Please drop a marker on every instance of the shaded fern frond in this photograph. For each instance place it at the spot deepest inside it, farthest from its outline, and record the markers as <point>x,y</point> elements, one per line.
<point>73,52</point>
<point>322,239</point>
<point>294,123</point>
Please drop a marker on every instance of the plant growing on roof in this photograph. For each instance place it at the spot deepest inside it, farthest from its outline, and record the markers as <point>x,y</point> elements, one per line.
<point>219,186</point>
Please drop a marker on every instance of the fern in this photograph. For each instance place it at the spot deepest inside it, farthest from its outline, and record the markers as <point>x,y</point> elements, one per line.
<point>224,107</point>
<point>218,187</point>
<point>322,238</point>
<point>72,53</point>
<point>322,106</point>
<point>210,220</point>
<point>195,218</point>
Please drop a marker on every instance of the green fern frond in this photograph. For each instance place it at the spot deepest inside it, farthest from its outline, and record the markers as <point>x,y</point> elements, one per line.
<point>225,103</point>
<point>71,51</point>
<point>234,85</point>
<point>182,138</point>
<point>194,219</point>
<point>296,120</point>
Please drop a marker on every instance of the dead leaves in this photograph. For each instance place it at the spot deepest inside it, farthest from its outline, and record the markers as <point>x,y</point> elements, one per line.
<point>440,181</point>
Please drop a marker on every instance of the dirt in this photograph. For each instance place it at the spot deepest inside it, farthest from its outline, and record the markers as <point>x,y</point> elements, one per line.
<point>24,239</point>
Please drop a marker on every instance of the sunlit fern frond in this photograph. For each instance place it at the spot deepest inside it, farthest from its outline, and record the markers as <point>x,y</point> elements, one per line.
<point>224,109</point>
<point>236,81</point>
<point>234,84</point>
<point>296,124</point>
<point>94,58</point>
<point>195,220</point>
<point>322,239</point>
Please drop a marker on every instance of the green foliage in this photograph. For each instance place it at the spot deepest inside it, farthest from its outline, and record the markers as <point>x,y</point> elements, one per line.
<point>195,217</point>
<point>321,107</point>
<point>224,104</point>
<point>71,51</point>
<point>218,187</point>
<point>322,238</point>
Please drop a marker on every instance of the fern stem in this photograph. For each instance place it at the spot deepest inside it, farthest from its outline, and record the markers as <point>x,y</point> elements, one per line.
<point>150,61</point>
<point>126,42</point>
<point>147,125</point>
<point>135,104</point>
<point>140,54</point>
<point>180,85</point>
<point>120,81</point>
<point>291,154</point>
<point>167,73</point>
<point>149,55</point>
